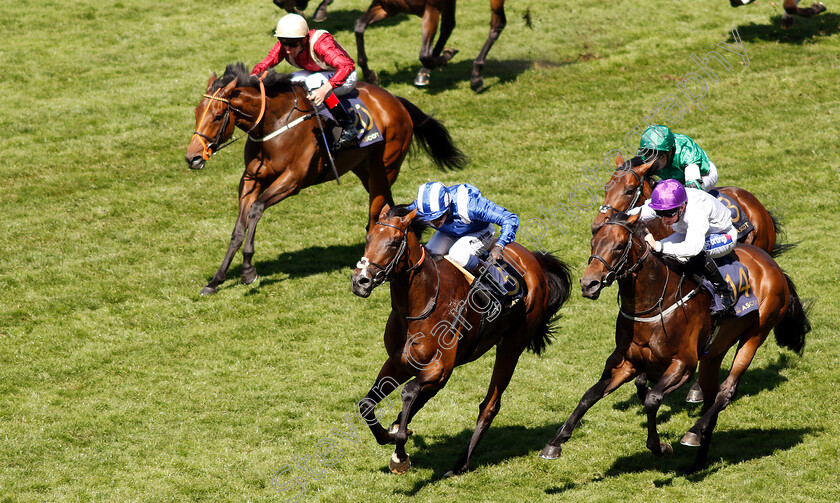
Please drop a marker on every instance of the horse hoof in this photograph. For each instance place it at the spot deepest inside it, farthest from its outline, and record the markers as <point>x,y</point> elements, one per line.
<point>787,21</point>
<point>691,439</point>
<point>449,474</point>
<point>551,451</point>
<point>208,290</point>
<point>666,449</point>
<point>423,77</point>
<point>249,277</point>
<point>371,78</point>
<point>448,54</point>
<point>397,466</point>
<point>818,7</point>
<point>477,84</point>
<point>320,16</point>
<point>694,396</point>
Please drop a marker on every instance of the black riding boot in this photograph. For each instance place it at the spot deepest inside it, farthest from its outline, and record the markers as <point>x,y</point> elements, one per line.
<point>722,286</point>
<point>346,121</point>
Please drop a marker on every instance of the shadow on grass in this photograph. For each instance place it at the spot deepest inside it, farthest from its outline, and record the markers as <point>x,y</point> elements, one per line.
<point>728,448</point>
<point>300,264</point>
<point>452,75</point>
<point>497,445</point>
<point>752,383</point>
<point>804,30</point>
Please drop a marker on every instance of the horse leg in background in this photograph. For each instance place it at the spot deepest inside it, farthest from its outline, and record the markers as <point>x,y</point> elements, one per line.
<point>249,190</point>
<point>374,13</point>
<point>432,58</point>
<point>507,355</point>
<point>791,10</point>
<point>497,24</point>
<point>701,433</point>
<point>284,186</point>
<point>641,386</point>
<point>379,188</point>
<point>321,12</point>
<point>292,6</point>
<point>675,376</point>
<point>616,372</point>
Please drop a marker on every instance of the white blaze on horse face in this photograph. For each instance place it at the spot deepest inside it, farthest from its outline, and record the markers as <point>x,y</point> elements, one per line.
<point>363,265</point>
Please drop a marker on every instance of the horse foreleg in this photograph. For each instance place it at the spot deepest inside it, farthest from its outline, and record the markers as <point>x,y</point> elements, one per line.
<point>431,18</point>
<point>379,189</point>
<point>641,386</point>
<point>506,358</point>
<point>675,376</point>
<point>497,24</point>
<point>284,186</point>
<point>374,13</point>
<point>617,372</point>
<point>400,462</point>
<point>447,24</point>
<point>248,192</point>
<point>390,377</point>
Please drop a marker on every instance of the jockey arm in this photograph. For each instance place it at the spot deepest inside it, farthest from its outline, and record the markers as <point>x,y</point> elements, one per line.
<point>336,57</point>
<point>274,56</point>
<point>484,210</point>
<point>694,239</point>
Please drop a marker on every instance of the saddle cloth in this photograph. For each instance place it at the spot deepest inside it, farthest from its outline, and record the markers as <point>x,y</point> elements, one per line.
<point>739,219</point>
<point>367,133</point>
<point>736,274</point>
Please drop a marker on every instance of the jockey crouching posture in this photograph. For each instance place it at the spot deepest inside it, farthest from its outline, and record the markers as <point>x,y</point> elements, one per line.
<point>327,70</point>
<point>682,159</point>
<point>703,231</point>
<point>464,222</point>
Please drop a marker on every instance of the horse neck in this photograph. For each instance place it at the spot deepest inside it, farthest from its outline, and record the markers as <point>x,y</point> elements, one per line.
<point>413,290</point>
<point>250,102</point>
<point>643,288</point>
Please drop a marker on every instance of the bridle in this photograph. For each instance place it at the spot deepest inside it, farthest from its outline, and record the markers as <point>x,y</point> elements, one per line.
<point>212,145</point>
<point>385,272</point>
<point>640,179</point>
<point>614,272</point>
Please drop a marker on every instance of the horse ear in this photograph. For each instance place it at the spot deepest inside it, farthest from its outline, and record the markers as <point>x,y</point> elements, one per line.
<point>230,86</point>
<point>411,215</point>
<point>213,78</point>
<point>384,212</point>
<point>619,160</point>
<point>632,219</point>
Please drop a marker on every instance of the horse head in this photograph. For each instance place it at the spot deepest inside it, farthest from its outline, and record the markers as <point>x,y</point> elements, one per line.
<point>617,250</point>
<point>628,187</point>
<point>388,250</point>
<point>213,124</point>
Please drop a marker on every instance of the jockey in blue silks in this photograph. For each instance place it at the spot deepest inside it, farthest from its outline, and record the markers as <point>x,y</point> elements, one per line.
<point>464,221</point>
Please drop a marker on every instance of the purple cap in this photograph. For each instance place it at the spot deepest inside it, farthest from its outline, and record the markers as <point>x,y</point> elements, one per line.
<point>667,195</point>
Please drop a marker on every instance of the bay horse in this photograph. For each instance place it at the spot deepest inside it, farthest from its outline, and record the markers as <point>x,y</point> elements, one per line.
<point>431,12</point>
<point>436,324</point>
<point>285,151</point>
<point>632,184</point>
<point>791,9</point>
<point>664,325</point>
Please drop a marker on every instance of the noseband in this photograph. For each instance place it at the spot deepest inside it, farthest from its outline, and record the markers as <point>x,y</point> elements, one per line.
<point>614,273</point>
<point>384,273</point>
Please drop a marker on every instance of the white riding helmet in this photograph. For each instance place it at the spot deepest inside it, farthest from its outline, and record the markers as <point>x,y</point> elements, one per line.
<point>291,26</point>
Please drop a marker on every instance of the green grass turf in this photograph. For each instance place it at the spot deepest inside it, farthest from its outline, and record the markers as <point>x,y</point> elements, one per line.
<point>119,382</point>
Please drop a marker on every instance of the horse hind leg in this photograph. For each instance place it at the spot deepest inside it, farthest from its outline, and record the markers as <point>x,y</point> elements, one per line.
<point>792,9</point>
<point>497,24</point>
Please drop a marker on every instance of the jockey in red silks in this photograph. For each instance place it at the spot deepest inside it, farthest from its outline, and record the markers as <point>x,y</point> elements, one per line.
<point>327,71</point>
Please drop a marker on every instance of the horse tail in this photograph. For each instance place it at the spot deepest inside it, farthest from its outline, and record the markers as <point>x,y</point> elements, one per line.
<point>779,248</point>
<point>790,332</point>
<point>559,279</point>
<point>434,138</point>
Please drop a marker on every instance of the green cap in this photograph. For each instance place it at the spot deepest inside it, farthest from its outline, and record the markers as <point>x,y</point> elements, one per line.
<point>655,138</point>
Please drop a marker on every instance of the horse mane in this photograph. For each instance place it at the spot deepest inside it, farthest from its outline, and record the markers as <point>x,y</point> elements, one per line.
<point>274,82</point>
<point>416,226</point>
<point>636,161</point>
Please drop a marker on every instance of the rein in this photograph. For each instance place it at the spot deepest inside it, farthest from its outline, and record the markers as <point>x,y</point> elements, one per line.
<point>384,273</point>
<point>613,275</point>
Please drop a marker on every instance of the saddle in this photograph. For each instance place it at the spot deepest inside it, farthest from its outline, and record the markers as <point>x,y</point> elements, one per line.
<point>367,132</point>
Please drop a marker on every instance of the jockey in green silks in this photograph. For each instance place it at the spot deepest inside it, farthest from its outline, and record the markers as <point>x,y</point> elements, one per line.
<point>684,160</point>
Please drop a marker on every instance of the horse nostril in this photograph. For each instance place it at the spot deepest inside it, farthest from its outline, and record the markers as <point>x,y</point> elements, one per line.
<point>364,281</point>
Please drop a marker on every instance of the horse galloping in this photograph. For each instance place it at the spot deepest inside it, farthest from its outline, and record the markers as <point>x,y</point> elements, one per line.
<point>791,9</point>
<point>436,324</point>
<point>664,329</point>
<point>285,151</point>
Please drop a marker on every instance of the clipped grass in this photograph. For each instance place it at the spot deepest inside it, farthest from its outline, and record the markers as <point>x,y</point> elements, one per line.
<point>118,382</point>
